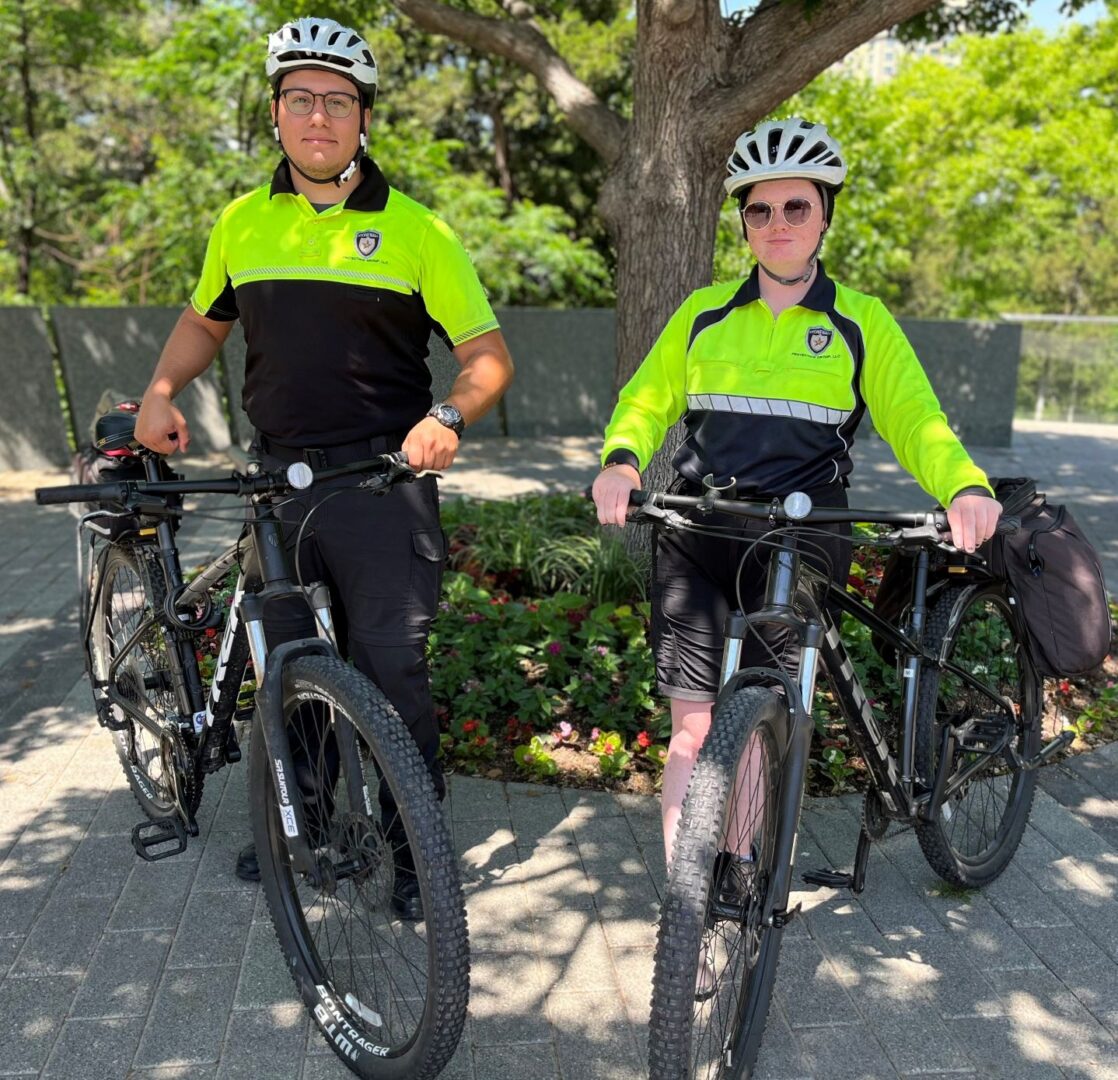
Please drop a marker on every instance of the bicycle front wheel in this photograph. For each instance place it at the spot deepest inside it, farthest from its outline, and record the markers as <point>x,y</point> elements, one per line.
<point>980,824</point>
<point>389,997</point>
<point>127,639</point>
<point>715,961</point>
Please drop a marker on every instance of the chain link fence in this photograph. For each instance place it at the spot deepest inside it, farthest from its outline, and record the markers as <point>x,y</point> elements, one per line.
<point>1069,368</point>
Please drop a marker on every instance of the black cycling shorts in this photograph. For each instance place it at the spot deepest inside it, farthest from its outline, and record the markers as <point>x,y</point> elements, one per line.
<point>696,583</point>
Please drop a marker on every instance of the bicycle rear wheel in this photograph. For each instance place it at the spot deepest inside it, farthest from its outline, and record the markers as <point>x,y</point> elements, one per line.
<point>130,596</point>
<point>389,997</point>
<point>715,962</point>
<point>979,826</point>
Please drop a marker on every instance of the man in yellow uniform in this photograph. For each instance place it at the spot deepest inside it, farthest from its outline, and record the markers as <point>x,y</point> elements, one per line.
<point>338,281</point>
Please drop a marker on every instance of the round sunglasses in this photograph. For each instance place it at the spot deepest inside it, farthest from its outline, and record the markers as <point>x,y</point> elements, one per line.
<point>797,212</point>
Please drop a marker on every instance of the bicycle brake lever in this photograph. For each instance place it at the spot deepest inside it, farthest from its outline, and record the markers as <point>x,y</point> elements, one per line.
<point>670,519</point>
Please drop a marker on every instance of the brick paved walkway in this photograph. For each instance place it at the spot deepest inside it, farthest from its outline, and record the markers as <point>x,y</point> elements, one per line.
<point>105,971</point>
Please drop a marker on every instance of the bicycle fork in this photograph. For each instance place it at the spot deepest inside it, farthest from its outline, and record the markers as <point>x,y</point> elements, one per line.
<point>272,728</point>
<point>778,609</point>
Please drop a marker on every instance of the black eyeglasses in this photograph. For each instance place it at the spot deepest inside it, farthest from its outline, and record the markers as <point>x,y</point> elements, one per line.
<point>797,212</point>
<point>300,102</point>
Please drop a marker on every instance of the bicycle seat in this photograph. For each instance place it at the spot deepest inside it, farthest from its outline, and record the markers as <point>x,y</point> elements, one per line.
<point>115,432</point>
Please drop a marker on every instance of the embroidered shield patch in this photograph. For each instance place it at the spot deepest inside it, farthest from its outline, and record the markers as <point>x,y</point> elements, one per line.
<point>367,241</point>
<point>818,338</point>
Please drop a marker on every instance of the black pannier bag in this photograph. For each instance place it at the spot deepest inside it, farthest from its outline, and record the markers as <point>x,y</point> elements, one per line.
<point>1052,570</point>
<point>92,466</point>
<point>1057,578</point>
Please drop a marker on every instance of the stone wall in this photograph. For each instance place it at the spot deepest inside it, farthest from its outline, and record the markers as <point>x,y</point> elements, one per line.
<point>564,381</point>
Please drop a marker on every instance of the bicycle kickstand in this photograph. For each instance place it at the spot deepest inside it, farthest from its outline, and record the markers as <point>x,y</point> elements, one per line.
<point>837,879</point>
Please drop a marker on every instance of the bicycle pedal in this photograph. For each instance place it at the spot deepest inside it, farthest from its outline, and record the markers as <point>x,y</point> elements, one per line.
<point>979,734</point>
<point>829,879</point>
<point>149,835</point>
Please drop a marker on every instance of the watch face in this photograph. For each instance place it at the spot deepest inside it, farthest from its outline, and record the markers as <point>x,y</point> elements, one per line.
<point>448,416</point>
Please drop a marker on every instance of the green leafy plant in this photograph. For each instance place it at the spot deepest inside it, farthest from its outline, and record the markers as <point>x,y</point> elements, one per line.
<point>609,747</point>
<point>1103,710</point>
<point>656,754</point>
<point>534,758</point>
<point>468,744</point>
<point>835,767</point>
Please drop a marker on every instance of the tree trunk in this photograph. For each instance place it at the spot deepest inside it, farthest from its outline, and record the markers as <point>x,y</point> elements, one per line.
<point>501,154</point>
<point>26,241</point>
<point>661,199</point>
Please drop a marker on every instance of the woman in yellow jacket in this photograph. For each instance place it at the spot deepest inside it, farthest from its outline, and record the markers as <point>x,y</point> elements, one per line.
<point>771,376</point>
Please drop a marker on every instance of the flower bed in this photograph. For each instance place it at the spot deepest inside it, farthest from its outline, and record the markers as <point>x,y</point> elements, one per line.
<point>561,687</point>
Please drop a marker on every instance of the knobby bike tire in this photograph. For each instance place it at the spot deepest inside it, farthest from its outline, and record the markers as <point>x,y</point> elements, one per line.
<point>343,995</point>
<point>130,589</point>
<point>752,713</point>
<point>976,834</point>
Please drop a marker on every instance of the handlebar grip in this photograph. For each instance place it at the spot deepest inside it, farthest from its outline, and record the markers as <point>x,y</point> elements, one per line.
<point>637,497</point>
<point>77,493</point>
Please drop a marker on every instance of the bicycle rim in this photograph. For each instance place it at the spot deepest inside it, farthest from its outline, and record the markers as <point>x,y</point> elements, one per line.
<point>142,676</point>
<point>388,995</point>
<point>980,825</point>
<point>716,961</point>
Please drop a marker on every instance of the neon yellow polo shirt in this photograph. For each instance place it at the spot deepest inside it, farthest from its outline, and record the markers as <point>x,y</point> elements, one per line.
<point>338,307</point>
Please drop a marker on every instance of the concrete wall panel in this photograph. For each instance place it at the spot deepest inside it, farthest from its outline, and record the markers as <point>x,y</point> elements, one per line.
<point>973,368</point>
<point>117,349</point>
<point>32,427</point>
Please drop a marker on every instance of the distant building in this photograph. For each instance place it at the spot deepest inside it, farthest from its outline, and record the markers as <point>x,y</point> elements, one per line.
<point>879,59</point>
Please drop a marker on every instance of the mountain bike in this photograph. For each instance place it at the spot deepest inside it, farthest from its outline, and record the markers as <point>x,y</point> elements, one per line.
<point>336,783</point>
<point>962,775</point>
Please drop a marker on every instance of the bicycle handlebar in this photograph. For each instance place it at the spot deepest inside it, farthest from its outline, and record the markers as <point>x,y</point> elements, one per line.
<point>777,512</point>
<point>264,483</point>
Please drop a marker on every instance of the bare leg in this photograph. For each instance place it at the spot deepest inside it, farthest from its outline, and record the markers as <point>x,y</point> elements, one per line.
<point>690,724</point>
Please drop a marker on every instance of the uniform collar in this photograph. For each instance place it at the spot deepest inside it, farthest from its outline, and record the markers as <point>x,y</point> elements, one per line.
<point>820,297</point>
<point>370,194</point>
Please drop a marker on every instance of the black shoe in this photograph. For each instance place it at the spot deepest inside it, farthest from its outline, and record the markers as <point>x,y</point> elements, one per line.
<point>407,904</point>
<point>248,869</point>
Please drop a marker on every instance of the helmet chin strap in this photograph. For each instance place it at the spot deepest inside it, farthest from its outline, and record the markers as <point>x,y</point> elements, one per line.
<point>347,172</point>
<point>799,278</point>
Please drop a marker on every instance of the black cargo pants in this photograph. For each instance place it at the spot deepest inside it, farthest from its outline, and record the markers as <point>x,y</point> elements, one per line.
<point>382,558</point>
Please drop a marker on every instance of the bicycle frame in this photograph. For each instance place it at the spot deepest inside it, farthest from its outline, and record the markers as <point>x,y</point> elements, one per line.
<point>792,604</point>
<point>265,575</point>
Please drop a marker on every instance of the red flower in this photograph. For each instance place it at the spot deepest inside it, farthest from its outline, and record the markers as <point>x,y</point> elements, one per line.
<point>1065,686</point>
<point>470,725</point>
<point>481,740</point>
<point>211,632</point>
<point>644,740</point>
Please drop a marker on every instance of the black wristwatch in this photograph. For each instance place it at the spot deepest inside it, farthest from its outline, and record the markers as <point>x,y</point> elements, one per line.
<point>448,416</point>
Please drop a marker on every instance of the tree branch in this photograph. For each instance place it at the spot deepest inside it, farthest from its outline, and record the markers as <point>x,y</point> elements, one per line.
<point>524,45</point>
<point>781,47</point>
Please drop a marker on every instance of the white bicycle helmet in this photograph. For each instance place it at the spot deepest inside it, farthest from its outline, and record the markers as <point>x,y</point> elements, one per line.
<point>322,44</point>
<point>783,150</point>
